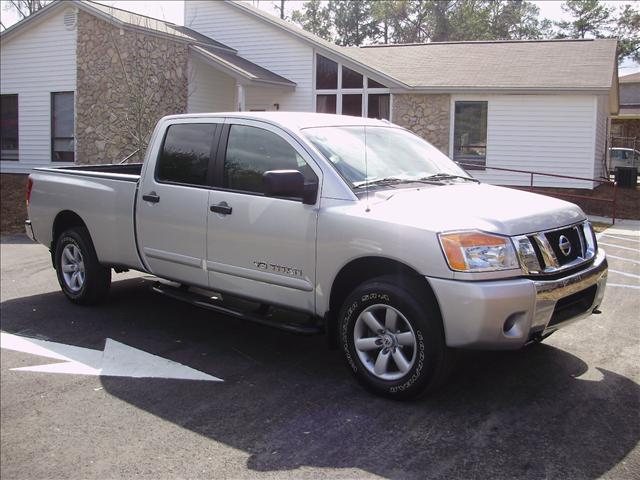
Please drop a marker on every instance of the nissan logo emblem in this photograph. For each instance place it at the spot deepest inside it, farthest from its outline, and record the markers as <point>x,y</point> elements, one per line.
<point>565,245</point>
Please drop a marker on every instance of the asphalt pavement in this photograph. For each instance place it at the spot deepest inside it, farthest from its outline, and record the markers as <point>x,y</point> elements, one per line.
<point>287,407</point>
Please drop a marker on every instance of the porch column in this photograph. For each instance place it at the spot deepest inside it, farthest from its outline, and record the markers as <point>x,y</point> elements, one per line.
<point>241,99</point>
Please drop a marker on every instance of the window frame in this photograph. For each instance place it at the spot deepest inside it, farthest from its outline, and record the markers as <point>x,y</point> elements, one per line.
<point>365,90</point>
<point>17,97</point>
<point>211,165</point>
<point>452,123</point>
<point>52,136</point>
<point>221,155</point>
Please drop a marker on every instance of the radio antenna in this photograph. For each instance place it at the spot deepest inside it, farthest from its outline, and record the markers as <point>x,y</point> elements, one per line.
<point>366,172</point>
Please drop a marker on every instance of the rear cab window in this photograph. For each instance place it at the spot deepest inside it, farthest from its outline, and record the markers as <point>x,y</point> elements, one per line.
<point>185,155</point>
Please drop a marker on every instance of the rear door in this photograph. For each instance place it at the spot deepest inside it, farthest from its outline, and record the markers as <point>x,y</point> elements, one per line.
<point>261,247</point>
<point>172,205</point>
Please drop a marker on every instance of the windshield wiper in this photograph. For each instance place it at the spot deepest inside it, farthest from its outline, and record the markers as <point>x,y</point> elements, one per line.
<point>396,181</point>
<point>448,176</point>
<point>382,181</point>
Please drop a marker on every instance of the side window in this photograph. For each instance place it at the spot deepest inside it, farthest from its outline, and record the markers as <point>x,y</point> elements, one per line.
<point>251,151</point>
<point>185,153</point>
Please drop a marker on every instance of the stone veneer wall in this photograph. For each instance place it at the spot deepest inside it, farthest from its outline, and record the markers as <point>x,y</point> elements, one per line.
<point>426,115</point>
<point>126,82</point>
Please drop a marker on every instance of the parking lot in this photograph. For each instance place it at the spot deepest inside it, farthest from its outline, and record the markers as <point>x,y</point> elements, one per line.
<point>288,408</point>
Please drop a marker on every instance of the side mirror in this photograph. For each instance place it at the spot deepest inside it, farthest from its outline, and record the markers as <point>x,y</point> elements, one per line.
<point>289,184</point>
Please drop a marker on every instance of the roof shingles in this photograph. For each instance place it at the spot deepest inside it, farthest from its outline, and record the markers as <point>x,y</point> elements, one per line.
<point>559,64</point>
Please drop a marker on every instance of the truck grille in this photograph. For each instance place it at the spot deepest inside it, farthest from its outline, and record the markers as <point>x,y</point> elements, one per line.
<point>556,250</point>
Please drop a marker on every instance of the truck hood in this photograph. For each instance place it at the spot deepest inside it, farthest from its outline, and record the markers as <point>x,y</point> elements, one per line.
<point>472,206</point>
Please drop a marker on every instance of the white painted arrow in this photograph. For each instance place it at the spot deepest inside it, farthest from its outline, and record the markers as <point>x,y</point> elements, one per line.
<point>117,360</point>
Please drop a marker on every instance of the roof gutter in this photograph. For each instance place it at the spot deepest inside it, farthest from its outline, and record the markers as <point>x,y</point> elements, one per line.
<point>503,90</point>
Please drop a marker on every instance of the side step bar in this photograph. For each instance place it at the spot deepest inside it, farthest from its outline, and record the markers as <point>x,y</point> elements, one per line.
<point>183,294</point>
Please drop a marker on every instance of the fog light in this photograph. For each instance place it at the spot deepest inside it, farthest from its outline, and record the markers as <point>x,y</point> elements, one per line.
<point>513,325</point>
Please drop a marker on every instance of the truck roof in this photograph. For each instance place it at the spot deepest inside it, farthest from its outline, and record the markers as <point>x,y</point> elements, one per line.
<point>292,120</point>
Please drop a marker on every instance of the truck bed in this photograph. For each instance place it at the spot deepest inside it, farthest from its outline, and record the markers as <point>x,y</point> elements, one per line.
<point>103,196</point>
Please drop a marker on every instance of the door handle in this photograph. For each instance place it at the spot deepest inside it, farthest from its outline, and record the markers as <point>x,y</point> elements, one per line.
<point>152,197</point>
<point>222,208</point>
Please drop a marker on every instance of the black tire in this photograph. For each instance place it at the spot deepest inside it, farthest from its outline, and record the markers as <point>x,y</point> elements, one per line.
<point>96,279</point>
<point>432,361</point>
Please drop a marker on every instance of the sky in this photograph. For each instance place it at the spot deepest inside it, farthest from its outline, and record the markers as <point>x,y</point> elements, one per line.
<point>173,11</point>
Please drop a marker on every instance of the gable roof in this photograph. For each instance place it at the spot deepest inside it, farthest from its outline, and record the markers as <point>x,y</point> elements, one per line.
<point>631,78</point>
<point>511,65</point>
<point>121,18</point>
<point>240,68</point>
<point>310,38</point>
<point>216,53</point>
<point>520,64</point>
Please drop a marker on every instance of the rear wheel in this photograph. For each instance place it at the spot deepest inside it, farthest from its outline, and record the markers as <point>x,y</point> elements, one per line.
<point>392,338</point>
<point>82,278</point>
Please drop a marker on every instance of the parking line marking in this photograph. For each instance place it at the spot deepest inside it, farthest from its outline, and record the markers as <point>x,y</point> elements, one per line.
<point>632,275</point>
<point>634,240</point>
<point>623,286</point>
<point>618,246</point>
<point>623,259</point>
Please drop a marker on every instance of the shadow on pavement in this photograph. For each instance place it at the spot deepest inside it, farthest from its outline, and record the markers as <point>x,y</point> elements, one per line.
<point>15,239</point>
<point>289,402</point>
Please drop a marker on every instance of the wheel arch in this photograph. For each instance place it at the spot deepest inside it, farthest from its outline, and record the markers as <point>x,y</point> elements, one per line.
<point>360,270</point>
<point>64,220</point>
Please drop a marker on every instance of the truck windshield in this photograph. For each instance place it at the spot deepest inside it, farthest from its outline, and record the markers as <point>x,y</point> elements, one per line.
<point>381,155</point>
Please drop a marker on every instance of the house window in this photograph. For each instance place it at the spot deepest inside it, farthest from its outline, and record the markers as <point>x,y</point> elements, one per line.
<point>326,74</point>
<point>9,127</point>
<point>326,103</point>
<point>342,90</point>
<point>470,133</point>
<point>62,127</point>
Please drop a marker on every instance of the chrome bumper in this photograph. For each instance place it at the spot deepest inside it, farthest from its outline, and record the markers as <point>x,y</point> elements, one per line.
<point>506,314</point>
<point>28,228</point>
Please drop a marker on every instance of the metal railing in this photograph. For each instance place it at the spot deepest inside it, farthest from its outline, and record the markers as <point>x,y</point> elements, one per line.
<point>531,174</point>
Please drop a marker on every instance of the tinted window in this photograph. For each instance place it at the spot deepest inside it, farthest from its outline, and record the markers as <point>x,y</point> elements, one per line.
<point>251,151</point>
<point>185,153</point>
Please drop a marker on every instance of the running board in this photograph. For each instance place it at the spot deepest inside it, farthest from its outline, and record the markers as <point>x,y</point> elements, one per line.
<point>183,294</point>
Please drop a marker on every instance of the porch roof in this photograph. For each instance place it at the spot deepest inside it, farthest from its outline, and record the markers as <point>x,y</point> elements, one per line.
<point>244,71</point>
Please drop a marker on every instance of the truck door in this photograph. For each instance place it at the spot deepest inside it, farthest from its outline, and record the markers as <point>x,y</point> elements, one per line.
<point>261,247</point>
<point>172,204</point>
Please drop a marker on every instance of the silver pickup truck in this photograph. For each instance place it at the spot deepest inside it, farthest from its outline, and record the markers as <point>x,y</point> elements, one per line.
<point>365,231</point>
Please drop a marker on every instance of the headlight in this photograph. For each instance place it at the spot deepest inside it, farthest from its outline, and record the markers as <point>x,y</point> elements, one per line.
<point>478,251</point>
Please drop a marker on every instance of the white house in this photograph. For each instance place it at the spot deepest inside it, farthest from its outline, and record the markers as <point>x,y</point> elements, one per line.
<point>529,105</point>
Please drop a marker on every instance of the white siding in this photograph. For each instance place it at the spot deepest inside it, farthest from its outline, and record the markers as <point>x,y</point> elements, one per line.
<point>541,133</point>
<point>601,119</point>
<point>263,44</point>
<point>209,89</point>
<point>36,62</point>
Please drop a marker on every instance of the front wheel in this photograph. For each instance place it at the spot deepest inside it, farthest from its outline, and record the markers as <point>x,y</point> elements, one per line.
<point>81,276</point>
<point>392,337</point>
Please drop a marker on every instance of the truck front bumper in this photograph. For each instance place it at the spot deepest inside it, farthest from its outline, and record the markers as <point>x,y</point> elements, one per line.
<point>506,314</point>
